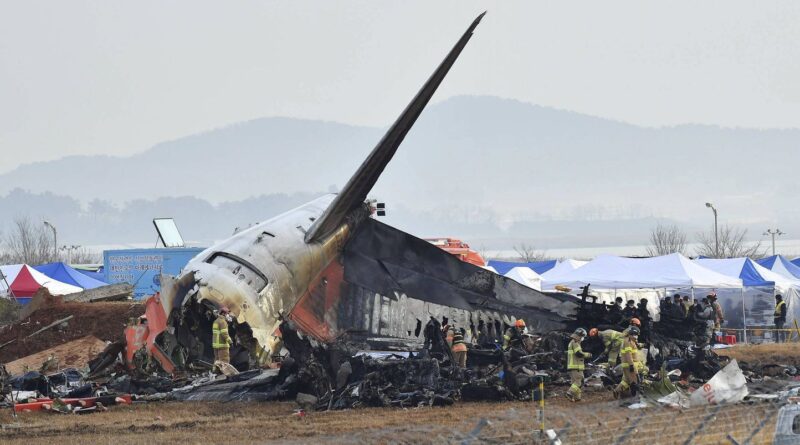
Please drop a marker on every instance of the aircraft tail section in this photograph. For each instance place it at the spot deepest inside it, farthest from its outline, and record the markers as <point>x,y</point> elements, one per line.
<point>355,191</point>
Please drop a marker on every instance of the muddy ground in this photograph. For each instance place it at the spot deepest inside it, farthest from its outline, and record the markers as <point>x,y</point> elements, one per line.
<point>598,419</point>
<point>104,320</point>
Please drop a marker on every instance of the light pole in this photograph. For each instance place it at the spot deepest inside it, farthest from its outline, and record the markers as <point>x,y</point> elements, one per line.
<point>774,233</point>
<point>55,239</point>
<point>716,232</point>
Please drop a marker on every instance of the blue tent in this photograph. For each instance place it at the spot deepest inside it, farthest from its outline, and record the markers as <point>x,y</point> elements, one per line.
<point>743,268</point>
<point>66,274</point>
<point>540,267</point>
<point>99,275</point>
<point>796,262</point>
<point>779,264</point>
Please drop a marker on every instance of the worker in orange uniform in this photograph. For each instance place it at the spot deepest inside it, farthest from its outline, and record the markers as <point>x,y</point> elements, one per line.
<point>221,339</point>
<point>459,349</point>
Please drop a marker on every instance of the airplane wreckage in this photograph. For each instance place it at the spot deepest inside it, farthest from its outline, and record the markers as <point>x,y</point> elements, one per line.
<point>340,275</point>
<point>336,310</point>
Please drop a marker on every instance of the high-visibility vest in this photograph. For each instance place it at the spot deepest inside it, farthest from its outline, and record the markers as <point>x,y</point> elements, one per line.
<point>629,353</point>
<point>573,361</point>
<point>778,310</point>
<point>611,338</point>
<point>220,337</point>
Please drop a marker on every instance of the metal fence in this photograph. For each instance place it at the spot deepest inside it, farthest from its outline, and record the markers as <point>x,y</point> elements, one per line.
<point>595,423</point>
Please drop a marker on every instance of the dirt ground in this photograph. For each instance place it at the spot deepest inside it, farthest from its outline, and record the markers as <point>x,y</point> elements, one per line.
<point>769,353</point>
<point>104,320</point>
<point>598,419</point>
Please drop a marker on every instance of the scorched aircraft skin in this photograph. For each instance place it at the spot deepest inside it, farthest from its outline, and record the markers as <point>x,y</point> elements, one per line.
<point>337,272</point>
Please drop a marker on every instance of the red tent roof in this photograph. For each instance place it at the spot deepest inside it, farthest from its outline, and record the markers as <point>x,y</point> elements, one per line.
<point>24,284</point>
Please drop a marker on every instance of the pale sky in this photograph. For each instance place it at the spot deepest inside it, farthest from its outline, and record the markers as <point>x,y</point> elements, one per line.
<point>102,77</point>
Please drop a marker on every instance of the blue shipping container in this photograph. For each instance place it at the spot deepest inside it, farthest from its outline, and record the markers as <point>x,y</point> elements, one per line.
<point>142,267</point>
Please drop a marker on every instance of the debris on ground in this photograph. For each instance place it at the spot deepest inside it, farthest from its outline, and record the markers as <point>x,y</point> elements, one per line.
<point>103,369</point>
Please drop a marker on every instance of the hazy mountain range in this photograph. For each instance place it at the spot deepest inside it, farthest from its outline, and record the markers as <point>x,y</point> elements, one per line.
<point>482,168</point>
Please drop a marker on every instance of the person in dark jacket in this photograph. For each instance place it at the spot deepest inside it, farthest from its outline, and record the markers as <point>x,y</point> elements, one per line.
<point>630,310</point>
<point>780,319</point>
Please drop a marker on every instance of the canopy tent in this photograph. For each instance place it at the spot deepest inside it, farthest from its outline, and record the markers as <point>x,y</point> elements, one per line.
<point>91,270</point>
<point>796,261</point>
<point>754,304</point>
<point>66,274</point>
<point>29,280</point>
<point>562,268</point>
<point>781,265</point>
<point>525,277</point>
<point>635,279</point>
<point>665,272</point>
<point>540,267</point>
<point>99,276</point>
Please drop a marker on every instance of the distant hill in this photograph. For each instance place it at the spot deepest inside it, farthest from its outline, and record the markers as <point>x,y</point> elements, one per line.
<point>482,162</point>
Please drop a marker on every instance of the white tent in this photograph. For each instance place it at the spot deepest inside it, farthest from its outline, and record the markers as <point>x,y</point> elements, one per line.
<point>526,277</point>
<point>640,278</point>
<point>673,271</point>
<point>562,268</point>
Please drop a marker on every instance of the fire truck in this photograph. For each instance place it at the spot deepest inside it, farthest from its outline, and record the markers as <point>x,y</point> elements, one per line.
<point>458,248</point>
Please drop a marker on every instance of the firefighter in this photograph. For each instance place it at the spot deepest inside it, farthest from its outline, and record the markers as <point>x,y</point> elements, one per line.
<point>513,335</point>
<point>612,340</point>
<point>630,363</point>
<point>459,349</point>
<point>575,364</point>
<point>221,339</point>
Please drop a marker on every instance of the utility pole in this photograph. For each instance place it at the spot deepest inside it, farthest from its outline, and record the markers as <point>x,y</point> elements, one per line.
<point>55,239</point>
<point>716,232</point>
<point>774,233</point>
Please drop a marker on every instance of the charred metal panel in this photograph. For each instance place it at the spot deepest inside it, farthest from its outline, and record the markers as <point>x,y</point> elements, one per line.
<point>389,262</point>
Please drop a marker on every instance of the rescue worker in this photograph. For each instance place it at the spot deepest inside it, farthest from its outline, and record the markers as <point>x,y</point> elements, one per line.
<point>448,332</point>
<point>630,363</point>
<point>575,364</point>
<point>719,317</point>
<point>612,340</point>
<point>635,322</point>
<point>513,335</point>
<point>780,319</point>
<point>221,339</point>
<point>687,305</point>
<point>459,349</point>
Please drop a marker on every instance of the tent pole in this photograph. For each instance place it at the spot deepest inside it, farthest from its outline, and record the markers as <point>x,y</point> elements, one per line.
<point>744,319</point>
